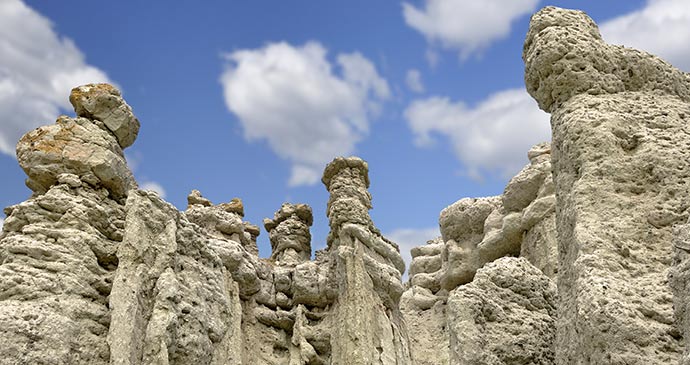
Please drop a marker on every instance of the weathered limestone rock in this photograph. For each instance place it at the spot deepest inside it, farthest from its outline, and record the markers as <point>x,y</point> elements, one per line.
<point>223,221</point>
<point>57,260</point>
<point>583,64</point>
<point>78,147</point>
<point>58,249</point>
<point>621,158</point>
<point>104,103</point>
<point>679,279</point>
<point>476,232</point>
<point>170,301</point>
<point>506,315</point>
<point>368,327</point>
<point>289,233</point>
<point>95,271</point>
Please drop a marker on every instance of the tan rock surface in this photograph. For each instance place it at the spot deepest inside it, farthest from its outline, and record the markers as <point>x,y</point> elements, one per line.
<point>506,315</point>
<point>620,165</point>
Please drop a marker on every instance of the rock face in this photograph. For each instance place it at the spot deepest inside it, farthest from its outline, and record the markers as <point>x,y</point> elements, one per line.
<point>59,249</point>
<point>443,289</point>
<point>96,271</point>
<point>583,259</point>
<point>621,155</point>
<point>506,315</point>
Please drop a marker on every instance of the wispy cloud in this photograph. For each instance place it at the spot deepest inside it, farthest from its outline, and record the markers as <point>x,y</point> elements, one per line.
<point>38,68</point>
<point>492,137</point>
<point>466,26</point>
<point>291,97</point>
<point>661,27</point>
<point>153,186</point>
<point>413,79</point>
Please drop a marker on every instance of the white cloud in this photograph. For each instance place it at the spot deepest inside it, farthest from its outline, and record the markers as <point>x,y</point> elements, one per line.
<point>38,68</point>
<point>466,26</point>
<point>154,186</point>
<point>662,27</point>
<point>2,221</point>
<point>494,136</point>
<point>290,97</point>
<point>408,238</point>
<point>414,81</point>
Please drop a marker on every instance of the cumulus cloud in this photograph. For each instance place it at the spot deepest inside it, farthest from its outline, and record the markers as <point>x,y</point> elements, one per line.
<point>413,79</point>
<point>153,186</point>
<point>292,98</point>
<point>493,136</point>
<point>38,68</point>
<point>408,238</point>
<point>466,26</point>
<point>661,27</point>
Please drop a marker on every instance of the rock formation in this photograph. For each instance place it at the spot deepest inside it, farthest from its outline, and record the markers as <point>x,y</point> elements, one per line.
<point>444,292</point>
<point>99,272</point>
<point>621,156</point>
<point>583,259</point>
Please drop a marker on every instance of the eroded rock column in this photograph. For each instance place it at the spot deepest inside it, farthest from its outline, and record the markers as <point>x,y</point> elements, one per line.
<point>58,248</point>
<point>289,234</point>
<point>621,155</point>
<point>368,326</point>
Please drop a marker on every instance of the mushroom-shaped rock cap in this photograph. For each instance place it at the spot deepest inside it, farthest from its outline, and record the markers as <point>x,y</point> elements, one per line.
<point>565,56</point>
<point>287,210</point>
<point>104,102</point>
<point>340,163</point>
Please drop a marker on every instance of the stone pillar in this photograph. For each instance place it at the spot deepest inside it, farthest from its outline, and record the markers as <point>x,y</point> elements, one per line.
<point>621,156</point>
<point>347,181</point>
<point>58,248</point>
<point>289,234</point>
<point>368,326</point>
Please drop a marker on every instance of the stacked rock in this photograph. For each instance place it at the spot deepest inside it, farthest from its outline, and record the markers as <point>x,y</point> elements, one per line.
<point>88,146</point>
<point>59,248</point>
<point>289,234</point>
<point>347,181</point>
<point>223,220</point>
<point>367,269</point>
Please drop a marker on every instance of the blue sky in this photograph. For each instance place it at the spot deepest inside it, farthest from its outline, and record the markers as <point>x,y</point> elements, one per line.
<point>250,99</point>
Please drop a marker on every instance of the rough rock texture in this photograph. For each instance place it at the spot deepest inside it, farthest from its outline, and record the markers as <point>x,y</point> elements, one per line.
<point>621,156</point>
<point>520,222</point>
<point>368,270</point>
<point>58,249</point>
<point>584,258</point>
<point>679,279</point>
<point>95,271</point>
<point>506,315</point>
<point>103,104</point>
<point>289,233</point>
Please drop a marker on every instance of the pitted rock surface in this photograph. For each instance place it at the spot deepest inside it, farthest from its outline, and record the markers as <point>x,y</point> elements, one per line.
<point>621,156</point>
<point>583,259</point>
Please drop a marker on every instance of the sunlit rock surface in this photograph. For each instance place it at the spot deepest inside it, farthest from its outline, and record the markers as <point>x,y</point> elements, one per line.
<point>583,259</point>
